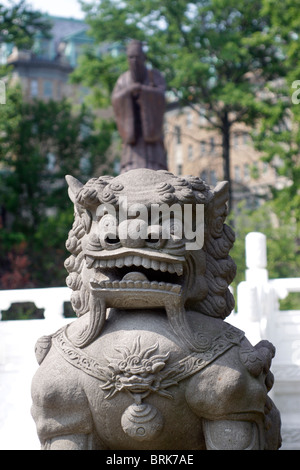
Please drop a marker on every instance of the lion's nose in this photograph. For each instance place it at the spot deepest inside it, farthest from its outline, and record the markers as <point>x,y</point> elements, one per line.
<point>155,236</point>
<point>132,233</point>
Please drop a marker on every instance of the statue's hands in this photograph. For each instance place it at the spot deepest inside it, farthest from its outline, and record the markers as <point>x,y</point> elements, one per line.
<point>135,88</point>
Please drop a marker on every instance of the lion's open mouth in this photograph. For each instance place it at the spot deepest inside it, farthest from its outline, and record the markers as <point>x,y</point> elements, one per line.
<point>137,270</point>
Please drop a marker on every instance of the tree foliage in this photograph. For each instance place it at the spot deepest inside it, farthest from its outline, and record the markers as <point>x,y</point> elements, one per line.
<point>41,142</point>
<point>279,133</point>
<point>19,23</point>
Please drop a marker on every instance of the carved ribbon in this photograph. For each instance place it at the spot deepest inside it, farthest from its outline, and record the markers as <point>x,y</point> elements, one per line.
<point>167,377</point>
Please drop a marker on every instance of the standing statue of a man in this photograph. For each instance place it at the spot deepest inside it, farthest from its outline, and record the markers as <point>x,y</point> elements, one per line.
<point>138,100</point>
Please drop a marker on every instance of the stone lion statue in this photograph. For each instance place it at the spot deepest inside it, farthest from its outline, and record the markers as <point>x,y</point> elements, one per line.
<point>150,363</point>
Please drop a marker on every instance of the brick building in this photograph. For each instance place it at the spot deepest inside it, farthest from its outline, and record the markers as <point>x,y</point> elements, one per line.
<point>194,149</point>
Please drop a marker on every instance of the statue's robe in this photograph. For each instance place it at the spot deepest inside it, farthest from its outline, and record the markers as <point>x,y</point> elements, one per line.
<point>140,121</point>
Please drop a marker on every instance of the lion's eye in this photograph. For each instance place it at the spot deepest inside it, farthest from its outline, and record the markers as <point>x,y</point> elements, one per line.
<point>107,222</point>
<point>108,231</point>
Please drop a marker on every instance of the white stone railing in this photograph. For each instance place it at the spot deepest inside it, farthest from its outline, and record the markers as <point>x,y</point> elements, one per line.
<point>259,315</point>
<point>51,299</point>
<point>18,363</point>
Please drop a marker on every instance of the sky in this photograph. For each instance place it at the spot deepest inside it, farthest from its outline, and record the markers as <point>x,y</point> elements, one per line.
<point>66,8</point>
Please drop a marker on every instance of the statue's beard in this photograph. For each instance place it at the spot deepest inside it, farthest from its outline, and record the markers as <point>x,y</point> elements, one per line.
<point>138,73</point>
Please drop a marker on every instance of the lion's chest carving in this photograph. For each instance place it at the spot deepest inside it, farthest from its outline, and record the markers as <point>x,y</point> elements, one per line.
<point>137,379</point>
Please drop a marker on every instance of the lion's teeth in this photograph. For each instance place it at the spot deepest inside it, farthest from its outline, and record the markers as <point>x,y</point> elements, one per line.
<point>137,260</point>
<point>146,263</point>
<point>138,284</point>
<point>155,265</point>
<point>163,267</point>
<point>176,288</point>
<point>128,261</point>
<point>171,268</point>
<point>119,262</point>
<point>178,269</point>
<point>89,261</point>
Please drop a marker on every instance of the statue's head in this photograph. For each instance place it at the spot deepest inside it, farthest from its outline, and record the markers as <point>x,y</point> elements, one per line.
<point>150,240</point>
<point>136,60</point>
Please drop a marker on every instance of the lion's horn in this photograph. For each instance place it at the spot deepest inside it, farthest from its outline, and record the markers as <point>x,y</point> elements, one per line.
<point>74,187</point>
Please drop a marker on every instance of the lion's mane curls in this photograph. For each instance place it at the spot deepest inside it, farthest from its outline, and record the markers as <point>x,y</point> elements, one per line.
<point>74,266</point>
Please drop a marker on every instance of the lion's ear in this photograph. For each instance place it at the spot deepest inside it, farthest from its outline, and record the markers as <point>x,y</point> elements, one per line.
<point>221,193</point>
<point>74,187</point>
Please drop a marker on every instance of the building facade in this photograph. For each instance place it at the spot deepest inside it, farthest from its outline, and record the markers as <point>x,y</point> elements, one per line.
<point>195,149</point>
<point>44,70</point>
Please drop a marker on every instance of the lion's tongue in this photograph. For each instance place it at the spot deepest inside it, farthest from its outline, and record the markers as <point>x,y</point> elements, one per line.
<point>134,276</point>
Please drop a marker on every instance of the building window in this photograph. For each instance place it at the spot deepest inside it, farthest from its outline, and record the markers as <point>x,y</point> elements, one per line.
<point>189,119</point>
<point>43,49</point>
<point>59,93</point>
<point>202,118</point>
<point>34,88</point>
<point>190,152</point>
<point>237,173</point>
<point>246,171</point>
<point>212,145</point>
<point>213,178</point>
<point>48,89</point>
<point>179,170</point>
<point>235,139</point>
<point>178,134</point>
<point>202,147</point>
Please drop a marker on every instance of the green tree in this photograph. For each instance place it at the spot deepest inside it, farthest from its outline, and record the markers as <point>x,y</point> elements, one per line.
<point>217,53</point>
<point>278,136</point>
<point>19,23</point>
<point>41,142</point>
